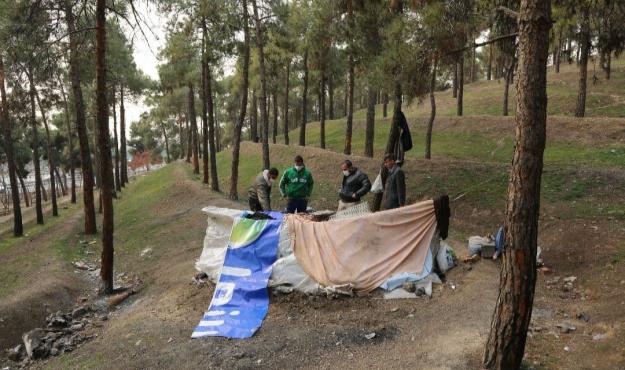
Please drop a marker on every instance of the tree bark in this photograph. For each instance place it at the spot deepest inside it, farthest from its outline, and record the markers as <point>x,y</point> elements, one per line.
<point>205,97</point>
<point>512,314</point>
<point>393,137</point>
<point>350,98</point>
<point>286,104</point>
<point>506,91</point>
<point>428,136</point>
<point>212,148</point>
<point>608,66</point>
<point>322,109</point>
<point>274,132</point>
<point>489,71</point>
<point>60,181</point>
<point>81,127</point>
<point>580,110</point>
<point>460,96</point>
<point>385,104</point>
<point>370,124</point>
<point>24,191</point>
<point>118,185</point>
<point>70,142</point>
<point>104,142</point>
<point>35,148</point>
<point>263,86</point>
<point>55,207</point>
<point>254,118</point>
<point>166,142</point>
<point>123,171</point>
<point>558,52</point>
<point>302,129</point>
<point>5,120</point>
<point>234,177</point>
<point>455,81</point>
<point>194,137</point>
<point>331,99</point>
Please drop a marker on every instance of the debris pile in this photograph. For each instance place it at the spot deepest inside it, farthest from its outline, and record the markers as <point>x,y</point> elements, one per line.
<point>64,332</point>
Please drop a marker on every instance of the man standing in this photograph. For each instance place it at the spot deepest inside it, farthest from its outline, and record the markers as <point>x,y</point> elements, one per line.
<point>260,192</point>
<point>355,185</point>
<point>296,185</point>
<point>395,188</point>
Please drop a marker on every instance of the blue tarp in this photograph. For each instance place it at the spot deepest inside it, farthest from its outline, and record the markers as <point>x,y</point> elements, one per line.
<point>240,301</point>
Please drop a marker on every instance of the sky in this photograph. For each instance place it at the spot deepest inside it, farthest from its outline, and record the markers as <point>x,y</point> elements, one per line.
<point>145,52</point>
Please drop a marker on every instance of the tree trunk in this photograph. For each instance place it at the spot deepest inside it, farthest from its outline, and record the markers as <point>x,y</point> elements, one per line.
<point>274,132</point>
<point>181,136</point>
<point>104,142</point>
<point>118,185</point>
<point>189,136</point>
<point>123,171</point>
<point>302,129</point>
<point>81,127</point>
<point>234,172</point>
<point>506,91</point>
<point>608,64</point>
<point>24,191</point>
<point>393,137</point>
<point>263,86</point>
<point>70,142</point>
<point>460,85</point>
<point>384,104</point>
<point>55,207</point>
<point>370,124</point>
<point>44,193</point>
<point>428,136</point>
<point>559,51</point>
<point>212,148</point>
<point>254,118</point>
<point>350,83</point>
<point>5,123</point>
<point>489,71</point>
<point>286,104</point>
<point>580,110</point>
<point>506,343</point>
<point>60,181</point>
<point>322,110</point>
<point>455,80</point>
<point>569,50</point>
<point>193,129</point>
<point>35,147</point>
<point>166,143</point>
<point>205,97</point>
<point>331,100</point>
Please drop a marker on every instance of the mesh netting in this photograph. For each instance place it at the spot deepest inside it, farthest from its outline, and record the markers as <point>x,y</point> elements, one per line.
<point>355,211</point>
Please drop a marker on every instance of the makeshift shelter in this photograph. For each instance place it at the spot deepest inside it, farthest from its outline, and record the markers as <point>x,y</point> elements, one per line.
<point>355,251</point>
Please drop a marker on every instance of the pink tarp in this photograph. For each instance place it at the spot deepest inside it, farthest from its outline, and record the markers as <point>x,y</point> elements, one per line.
<point>364,251</point>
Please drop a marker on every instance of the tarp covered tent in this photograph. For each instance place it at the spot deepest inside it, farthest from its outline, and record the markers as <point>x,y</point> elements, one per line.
<point>355,251</point>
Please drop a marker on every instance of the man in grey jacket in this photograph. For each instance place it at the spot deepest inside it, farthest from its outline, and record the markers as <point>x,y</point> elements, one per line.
<point>260,192</point>
<point>395,187</point>
<point>354,186</point>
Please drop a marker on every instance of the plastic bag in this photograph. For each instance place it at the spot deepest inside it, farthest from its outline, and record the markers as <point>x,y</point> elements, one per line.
<point>377,186</point>
<point>445,258</point>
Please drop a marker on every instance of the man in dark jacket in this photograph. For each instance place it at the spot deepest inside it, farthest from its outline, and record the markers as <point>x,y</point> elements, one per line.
<point>260,192</point>
<point>355,185</point>
<point>395,187</point>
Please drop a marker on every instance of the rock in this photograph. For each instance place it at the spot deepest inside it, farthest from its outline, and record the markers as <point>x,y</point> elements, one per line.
<point>80,265</point>
<point>369,336</point>
<point>16,353</point>
<point>57,320</point>
<point>79,312</point>
<point>583,316</point>
<point>599,336</point>
<point>566,348</point>
<point>145,252</point>
<point>54,352</point>
<point>420,292</point>
<point>409,286</point>
<point>570,279</point>
<point>35,346</point>
<point>566,327</point>
<point>394,309</point>
<point>77,326</point>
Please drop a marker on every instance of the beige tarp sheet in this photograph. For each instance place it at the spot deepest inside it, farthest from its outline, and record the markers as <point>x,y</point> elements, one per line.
<point>364,251</point>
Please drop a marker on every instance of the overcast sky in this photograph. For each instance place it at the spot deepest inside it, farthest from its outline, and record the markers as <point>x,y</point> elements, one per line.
<point>145,52</point>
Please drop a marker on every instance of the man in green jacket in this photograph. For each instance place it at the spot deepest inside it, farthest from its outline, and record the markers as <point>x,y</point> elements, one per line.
<point>296,185</point>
